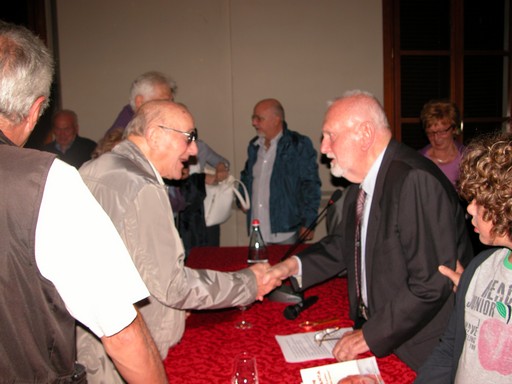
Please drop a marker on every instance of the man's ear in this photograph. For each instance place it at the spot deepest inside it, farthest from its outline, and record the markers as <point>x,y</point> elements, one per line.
<point>152,136</point>
<point>28,124</point>
<point>139,100</point>
<point>34,111</point>
<point>366,135</point>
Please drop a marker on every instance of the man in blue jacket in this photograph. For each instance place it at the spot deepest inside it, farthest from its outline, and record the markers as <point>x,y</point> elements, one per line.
<point>281,175</point>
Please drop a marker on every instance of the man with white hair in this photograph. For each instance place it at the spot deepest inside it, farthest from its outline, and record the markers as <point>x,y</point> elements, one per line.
<point>149,86</point>
<point>401,220</point>
<point>61,258</point>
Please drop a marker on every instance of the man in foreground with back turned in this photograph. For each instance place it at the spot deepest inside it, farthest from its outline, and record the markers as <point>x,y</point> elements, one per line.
<point>410,222</point>
<point>128,183</point>
<point>54,236</point>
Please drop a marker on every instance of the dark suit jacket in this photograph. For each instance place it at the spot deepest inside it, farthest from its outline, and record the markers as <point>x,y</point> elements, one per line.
<point>79,152</point>
<point>415,224</point>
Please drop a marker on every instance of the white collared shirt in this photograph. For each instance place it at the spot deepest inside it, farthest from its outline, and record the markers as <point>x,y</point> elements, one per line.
<point>262,172</point>
<point>368,185</point>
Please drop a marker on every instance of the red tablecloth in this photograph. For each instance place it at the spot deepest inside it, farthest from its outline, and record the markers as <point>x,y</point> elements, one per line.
<point>211,341</point>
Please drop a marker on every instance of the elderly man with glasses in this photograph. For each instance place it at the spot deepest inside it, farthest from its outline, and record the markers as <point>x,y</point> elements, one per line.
<point>127,182</point>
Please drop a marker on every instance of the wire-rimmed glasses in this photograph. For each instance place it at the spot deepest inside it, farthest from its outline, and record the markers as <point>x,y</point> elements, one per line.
<point>326,335</point>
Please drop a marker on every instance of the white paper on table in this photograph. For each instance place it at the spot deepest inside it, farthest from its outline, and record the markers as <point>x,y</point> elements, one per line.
<point>300,347</point>
<point>332,373</point>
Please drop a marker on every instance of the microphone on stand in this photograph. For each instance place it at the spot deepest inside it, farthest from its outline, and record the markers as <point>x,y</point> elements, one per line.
<point>334,198</point>
<point>285,293</point>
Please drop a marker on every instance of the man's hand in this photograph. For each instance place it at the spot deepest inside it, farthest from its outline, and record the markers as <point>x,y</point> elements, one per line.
<point>310,235</point>
<point>350,345</point>
<point>283,270</point>
<point>265,283</point>
<point>221,172</point>
<point>454,276</point>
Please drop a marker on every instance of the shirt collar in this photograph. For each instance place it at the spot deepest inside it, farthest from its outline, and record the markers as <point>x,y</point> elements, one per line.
<point>370,180</point>
<point>261,140</point>
<point>59,147</point>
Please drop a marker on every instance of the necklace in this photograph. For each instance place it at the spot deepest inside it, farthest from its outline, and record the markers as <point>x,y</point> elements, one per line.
<point>452,154</point>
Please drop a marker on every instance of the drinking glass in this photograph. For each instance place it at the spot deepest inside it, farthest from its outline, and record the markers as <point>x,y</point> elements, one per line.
<point>243,324</point>
<point>245,371</point>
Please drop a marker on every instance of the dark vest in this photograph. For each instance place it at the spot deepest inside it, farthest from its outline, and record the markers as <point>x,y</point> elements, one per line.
<point>37,342</point>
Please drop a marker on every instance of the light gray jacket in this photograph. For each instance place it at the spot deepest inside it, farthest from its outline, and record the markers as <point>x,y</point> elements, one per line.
<point>126,186</point>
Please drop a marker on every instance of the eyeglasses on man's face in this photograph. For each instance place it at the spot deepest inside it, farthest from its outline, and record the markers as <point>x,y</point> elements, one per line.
<point>191,136</point>
<point>441,132</point>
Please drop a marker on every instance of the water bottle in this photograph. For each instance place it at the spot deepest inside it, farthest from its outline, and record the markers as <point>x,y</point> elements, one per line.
<point>257,248</point>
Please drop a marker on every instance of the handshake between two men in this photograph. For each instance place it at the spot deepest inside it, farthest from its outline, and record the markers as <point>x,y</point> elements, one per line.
<point>270,277</point>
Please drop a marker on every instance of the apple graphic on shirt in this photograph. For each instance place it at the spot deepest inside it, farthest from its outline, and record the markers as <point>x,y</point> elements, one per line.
<point>494,346</point>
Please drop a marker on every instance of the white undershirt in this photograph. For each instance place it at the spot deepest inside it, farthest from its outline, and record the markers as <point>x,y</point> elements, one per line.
<point>79,250</point>
<point>368,186</point>
<point>262,172</point>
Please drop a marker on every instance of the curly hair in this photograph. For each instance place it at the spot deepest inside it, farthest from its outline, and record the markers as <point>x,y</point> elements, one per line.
<point>486,177</point>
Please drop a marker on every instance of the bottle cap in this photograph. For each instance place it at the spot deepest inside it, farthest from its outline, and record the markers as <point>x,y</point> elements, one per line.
<point>255,222</point>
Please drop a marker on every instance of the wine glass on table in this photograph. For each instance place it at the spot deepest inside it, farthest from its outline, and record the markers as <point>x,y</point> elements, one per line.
<point>257,254</point>
<point>245,370</point>
<point>243,324</point>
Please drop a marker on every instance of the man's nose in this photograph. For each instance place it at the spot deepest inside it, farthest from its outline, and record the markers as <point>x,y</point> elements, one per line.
<point>192,148</point>
<point>325,146</point>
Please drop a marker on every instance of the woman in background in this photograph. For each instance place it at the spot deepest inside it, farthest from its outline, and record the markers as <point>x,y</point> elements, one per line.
<point>441,122</point>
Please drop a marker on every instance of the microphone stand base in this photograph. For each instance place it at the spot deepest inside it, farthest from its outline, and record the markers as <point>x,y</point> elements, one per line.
<point>285,294</point>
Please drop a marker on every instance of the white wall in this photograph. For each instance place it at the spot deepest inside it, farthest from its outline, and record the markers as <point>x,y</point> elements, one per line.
<point>225,56</point>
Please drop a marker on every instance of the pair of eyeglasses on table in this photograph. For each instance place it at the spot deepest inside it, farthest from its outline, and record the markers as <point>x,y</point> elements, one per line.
<point>326,335</point>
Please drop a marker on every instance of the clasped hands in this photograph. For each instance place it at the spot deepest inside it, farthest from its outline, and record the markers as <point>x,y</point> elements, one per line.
<point>269,278</point>
<point>265,283</point>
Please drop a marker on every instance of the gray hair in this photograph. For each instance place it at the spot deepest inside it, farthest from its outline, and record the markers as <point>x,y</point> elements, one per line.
<point>144,85</point>
<point>26,72</point>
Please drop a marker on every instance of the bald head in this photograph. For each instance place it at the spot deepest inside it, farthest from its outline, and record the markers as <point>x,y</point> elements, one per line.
<point>355,132</point>
<point>356,107</point>
<point>65,127</point>
<point>156,112</point>
<point>162,131</point>
<point>273,106</point>
<point>268,119</point>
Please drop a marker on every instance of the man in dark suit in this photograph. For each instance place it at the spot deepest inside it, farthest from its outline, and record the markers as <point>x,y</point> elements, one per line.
<point>411,223</point>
